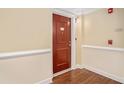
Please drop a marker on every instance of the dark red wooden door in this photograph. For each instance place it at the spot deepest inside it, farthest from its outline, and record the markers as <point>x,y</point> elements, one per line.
<point>61,43</point>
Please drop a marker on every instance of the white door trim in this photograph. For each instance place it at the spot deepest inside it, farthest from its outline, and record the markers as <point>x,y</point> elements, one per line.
<point>61,72</point>
<point>73,32</point>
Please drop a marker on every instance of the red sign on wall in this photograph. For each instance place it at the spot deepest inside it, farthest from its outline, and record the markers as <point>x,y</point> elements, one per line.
<point>110,42</point>
<point>110,10</point>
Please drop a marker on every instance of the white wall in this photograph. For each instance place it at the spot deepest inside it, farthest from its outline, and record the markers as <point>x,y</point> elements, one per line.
<point>105,61</point>
<point>26,70</point>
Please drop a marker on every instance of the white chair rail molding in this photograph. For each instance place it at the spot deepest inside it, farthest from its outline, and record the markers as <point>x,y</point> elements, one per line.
<point>104,48</point>
<point>24,53</point>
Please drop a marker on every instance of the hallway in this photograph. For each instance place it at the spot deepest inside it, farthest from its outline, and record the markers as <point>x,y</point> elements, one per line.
<point>82,76</point>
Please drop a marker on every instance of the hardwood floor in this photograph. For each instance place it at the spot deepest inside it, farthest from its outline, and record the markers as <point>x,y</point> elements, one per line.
<point>82,76</point>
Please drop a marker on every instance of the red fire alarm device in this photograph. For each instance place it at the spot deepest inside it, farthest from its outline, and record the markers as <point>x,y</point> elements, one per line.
<point>110,10</point>
<point>110,42</point>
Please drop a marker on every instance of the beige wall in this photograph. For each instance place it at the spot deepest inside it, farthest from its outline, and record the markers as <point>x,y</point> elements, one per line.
<point>79,33</point>
<point>25,29</point>
<point>101,26</point>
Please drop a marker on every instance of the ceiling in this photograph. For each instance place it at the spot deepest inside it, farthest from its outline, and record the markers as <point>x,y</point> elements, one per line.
<point>79,11</point>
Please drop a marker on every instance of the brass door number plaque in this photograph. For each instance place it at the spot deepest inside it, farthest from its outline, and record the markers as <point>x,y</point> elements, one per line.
<point>62,29</point>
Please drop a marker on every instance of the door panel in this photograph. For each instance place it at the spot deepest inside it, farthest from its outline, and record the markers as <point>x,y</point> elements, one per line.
<point>61,43</point>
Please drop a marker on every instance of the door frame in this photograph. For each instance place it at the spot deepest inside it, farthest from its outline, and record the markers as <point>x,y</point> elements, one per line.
<point>73,34</point>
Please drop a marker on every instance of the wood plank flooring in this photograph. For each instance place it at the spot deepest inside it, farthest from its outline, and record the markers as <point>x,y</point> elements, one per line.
<point>82,76</point>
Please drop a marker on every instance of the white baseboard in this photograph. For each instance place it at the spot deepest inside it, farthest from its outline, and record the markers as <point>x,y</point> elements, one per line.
<point>106,74</point>
<point>46,81</point>
<point>78,66</point>
<point>61,72</point>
